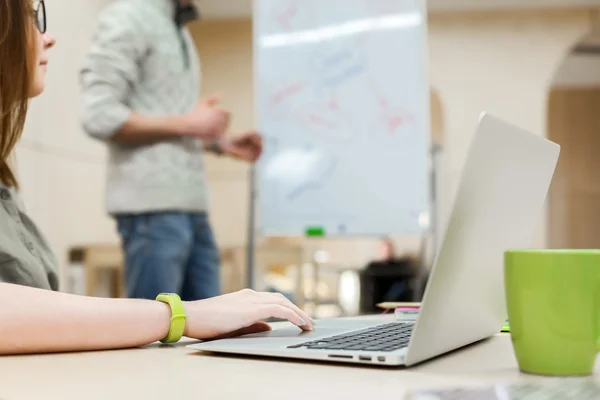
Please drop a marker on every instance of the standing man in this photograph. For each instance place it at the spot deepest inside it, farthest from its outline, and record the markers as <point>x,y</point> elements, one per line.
<point>141,84</point>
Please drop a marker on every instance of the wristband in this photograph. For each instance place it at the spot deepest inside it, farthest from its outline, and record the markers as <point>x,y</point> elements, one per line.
<point>215,147</point>
<point>178,317</point>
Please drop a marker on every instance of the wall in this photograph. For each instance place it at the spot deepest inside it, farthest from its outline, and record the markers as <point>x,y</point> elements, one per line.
<point>243,8</point>
<point>502,62</point>
<point>574,201</point>
<point>578,71</point>
<point>226,52</point>
<point>62,171</point>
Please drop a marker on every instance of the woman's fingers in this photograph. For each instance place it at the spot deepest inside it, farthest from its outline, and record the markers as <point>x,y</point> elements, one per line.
<point>280,299</point>
<point>293,314</point>
<point>264,311</point>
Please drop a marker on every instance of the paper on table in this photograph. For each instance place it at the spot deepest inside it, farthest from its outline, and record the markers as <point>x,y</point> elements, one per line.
<point>560,388</point>
<point>392,305</point>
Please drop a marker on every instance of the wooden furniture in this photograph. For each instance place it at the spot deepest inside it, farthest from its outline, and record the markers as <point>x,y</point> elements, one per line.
<point>574,197</point>
<point>97,258</point>
<point>277,256</point>
<point>176,372</point>
<point>267,256</point>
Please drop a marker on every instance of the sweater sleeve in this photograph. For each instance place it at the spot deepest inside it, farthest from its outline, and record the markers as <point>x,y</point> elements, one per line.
<point>111,69</point>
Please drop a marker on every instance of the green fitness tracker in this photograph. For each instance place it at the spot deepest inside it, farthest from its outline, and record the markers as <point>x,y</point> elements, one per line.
<point>178,317</point>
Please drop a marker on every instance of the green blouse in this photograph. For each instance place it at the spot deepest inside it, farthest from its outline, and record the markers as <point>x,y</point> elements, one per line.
<point>25,257</point>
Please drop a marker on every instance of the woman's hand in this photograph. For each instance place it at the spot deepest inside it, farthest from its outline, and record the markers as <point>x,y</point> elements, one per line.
<point>240,313</point>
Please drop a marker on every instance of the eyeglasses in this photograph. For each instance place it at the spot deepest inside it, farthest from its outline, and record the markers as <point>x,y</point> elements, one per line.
<point>39,11</point>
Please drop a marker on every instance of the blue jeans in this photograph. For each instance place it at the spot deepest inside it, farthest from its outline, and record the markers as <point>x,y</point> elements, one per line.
<point>170,252</point>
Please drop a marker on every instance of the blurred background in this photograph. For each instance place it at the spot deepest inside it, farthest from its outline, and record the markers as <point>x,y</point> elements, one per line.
<point>535,62</point>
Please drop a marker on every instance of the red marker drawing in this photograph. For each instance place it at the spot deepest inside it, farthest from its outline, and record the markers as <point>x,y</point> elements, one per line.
<point>285,17</point>
<point>333,104</point>
<point>287,92</point>
<point>392,118</point>
<point>318,120</point>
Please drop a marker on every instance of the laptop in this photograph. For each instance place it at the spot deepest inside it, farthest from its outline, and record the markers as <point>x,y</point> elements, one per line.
<point>500,198</point>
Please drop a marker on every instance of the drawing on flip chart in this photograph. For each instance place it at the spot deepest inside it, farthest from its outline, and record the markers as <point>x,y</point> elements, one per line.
<point>279,104</point>
<point>287,91</point>
<point>305,167</point>
<point>271,143</point>
<point>332,69</point>
<point>290,15</point>
<point>341,100</point>
<point>285,12</point>
<point>312,99</point>
<point>392,118</point>
<point>328,118</point>
<point>316,181</point>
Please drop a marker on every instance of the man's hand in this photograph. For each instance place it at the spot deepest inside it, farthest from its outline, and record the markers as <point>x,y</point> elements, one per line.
<point>207,120</point>
<point>247,146</point>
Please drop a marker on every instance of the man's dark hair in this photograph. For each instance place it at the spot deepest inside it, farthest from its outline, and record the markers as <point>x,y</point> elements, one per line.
<point>185,14</point>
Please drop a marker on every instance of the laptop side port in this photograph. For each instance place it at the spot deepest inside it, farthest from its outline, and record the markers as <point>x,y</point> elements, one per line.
<point>364,358</point>
<point>381,358</point>
<point>340,356</point>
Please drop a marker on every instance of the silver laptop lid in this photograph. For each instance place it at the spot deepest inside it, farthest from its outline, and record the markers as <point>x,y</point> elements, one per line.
<point>498,204</point>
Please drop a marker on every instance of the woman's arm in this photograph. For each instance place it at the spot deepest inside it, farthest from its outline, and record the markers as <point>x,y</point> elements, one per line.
<point>39,321</point>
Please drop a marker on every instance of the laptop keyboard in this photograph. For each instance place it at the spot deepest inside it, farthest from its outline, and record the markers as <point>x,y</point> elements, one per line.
<point>387,337</point>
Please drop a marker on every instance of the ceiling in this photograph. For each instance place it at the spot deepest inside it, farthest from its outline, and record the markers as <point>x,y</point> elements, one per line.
<point>218,9</point>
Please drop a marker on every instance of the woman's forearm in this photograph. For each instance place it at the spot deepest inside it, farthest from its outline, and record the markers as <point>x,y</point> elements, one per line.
<point>38,321</point>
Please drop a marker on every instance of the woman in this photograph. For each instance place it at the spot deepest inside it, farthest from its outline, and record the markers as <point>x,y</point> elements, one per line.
<point>34,318</point>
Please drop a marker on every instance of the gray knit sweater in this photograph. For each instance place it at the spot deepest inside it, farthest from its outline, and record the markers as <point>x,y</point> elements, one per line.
<point>137,63</point>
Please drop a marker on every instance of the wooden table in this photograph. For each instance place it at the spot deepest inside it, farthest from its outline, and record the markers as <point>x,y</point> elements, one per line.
<point>176,372</point>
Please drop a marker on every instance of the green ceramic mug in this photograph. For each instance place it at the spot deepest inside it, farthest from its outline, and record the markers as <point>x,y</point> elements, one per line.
<point>553,300</point>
